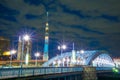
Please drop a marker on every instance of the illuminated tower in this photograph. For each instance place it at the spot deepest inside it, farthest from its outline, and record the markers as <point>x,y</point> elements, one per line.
<point>26,46</point>
<point>27,52</point>
<point>19,48</point>
<point>45,55</point>
<point>73,55</point>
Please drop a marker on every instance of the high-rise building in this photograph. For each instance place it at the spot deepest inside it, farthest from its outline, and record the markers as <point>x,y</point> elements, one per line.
<point>4,45</point>
<point>19,48</point>
<point>26,47</point>
<point>117,61</point>
<point>45,55</point>
<point>4,48</point>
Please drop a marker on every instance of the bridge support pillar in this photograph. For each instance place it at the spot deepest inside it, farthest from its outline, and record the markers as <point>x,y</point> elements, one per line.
<point>89,73</point>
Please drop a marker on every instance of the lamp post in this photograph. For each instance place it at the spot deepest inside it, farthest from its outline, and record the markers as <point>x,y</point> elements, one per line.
<point>36,55</point>
<point>83,57</point>
<point>63,62</point>
<point>68,60</point>
<point>11,53</point>
<point>61,48</point>
<point>59,62</point>
<point>25,37</point>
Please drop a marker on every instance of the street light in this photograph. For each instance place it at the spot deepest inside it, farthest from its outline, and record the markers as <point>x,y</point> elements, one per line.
<point>83,56</point>
<point>82,51</point>
<point>62,47</point>
<point>59,62</point>
<point>25,37</point>
<point>11,53</point>
<point>63,62</point>
<point>36,55</point>
<point>68,60</point>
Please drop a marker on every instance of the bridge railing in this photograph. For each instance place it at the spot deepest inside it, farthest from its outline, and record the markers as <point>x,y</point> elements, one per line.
<point>103,68</point>
<point>23,72</point>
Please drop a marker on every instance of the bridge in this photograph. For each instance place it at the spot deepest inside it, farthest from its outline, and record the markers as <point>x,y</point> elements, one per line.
<point>70,63</point>
<point>96,58</point>
<point>16,73</point>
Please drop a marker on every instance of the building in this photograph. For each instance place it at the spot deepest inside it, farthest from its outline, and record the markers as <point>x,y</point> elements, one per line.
<point>46,45</point>
<point>117,61</point>
<point>4,48</point>
<point>24,50</point>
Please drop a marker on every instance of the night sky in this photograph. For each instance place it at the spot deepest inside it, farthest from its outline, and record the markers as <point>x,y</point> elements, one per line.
<point>90,24</point>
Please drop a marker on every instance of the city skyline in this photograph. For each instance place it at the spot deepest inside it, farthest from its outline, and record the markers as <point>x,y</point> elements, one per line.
<point>89,24</point>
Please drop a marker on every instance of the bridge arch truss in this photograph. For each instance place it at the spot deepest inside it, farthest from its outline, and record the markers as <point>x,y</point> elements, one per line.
<point>97,58</point>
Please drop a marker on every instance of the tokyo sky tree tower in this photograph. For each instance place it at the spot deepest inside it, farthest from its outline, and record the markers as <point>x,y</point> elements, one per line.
<point>45,55</point>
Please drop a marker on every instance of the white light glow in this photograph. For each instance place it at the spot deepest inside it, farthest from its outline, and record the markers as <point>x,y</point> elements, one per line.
<point>27,58</point>
<point>54,62</point>
<point>64,47</point>
<point>13,52</point>
<point>37,54</point>
<point>26,37</point>
<point>82,51</point>
<point>63,59</point>
<point>59,62</point>
<point>59,48</point>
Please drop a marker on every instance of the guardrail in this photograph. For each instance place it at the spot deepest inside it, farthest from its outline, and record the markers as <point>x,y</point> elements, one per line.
<point>23,72</point>
<point>103,68</point>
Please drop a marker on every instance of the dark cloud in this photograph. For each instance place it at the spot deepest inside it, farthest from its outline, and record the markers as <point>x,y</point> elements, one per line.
<point>30,16</point>
<point>111,18</point>
<point>91,24</point>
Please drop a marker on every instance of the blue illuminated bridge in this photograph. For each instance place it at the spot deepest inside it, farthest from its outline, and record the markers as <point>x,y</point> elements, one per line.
<point>72,63</point>
<point>97,58</point>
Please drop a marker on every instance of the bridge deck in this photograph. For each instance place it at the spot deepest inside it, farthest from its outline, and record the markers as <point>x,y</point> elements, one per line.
<point>24,72</point>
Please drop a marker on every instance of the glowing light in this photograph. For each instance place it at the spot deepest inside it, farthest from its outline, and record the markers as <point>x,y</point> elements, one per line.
<point>59,62</point>
<point>59,48</point>
<point>46,29</point>
<point>26,37</point>
<point>115,70</point>
<point>13,52</point>
<point>68,60</point>
<point>63,59</point>
<point>27,58</point>
<point>82,51</point>
<point>37,54</point>
<point>54,62</point>
<point>64,47</point>
<point>6,53</point>
<point>47,24</point>
<point>46,37</point>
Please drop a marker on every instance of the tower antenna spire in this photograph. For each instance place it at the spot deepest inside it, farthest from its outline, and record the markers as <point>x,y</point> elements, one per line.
<point>47,16</point>
<point>46,45</point>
